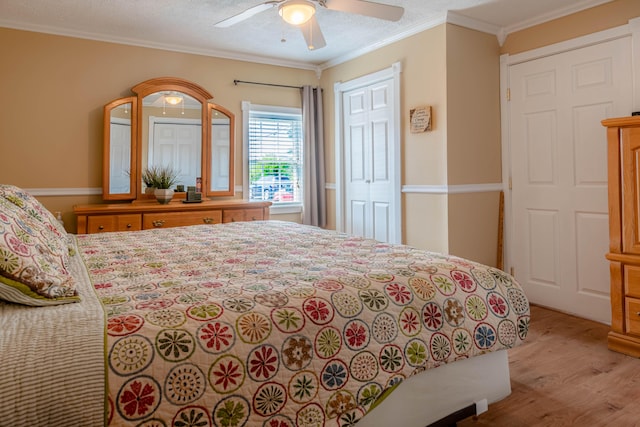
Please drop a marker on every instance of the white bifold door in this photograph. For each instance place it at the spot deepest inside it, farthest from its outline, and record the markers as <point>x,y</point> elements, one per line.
<point>559,173</point>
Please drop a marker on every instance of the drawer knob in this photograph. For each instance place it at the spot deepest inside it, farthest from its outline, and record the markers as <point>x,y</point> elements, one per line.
<point>158,223</point>
<point>101,227</point>
<point>129,225</point>
<point>208,220</point>
<point>253,218</point>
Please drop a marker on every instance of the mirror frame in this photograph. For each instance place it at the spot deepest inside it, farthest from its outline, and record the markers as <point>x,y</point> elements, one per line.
<point>148,87</point>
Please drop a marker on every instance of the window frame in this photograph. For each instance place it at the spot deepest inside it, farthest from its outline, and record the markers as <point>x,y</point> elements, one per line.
<point>247,108</point>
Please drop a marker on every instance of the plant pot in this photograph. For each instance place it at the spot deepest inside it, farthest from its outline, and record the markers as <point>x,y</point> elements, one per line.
<point>163,195</point>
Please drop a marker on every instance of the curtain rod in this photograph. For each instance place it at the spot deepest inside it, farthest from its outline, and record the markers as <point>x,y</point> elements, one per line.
<point>235,82</point>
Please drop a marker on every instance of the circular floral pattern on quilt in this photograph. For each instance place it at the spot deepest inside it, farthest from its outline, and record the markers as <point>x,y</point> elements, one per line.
<point>138,397</point>
<point>328,342</point>
<point>423,288</point>
<point>398,293</point>
<point>409,322</point>
<point>231,411</point>
<point>518,300</point>
<point>311,415</point>
<point>391,358</point>
<point>184,384</point>
<point>416,353</point>
<point>205,312</point>
<point>334,375</point>
<point>440,347</point>
<point>484,336</point>
<point>124,325</point>
<point>507,333</point>
<point>166,318</point>
<point>253,327</point>
<point>346,304</point>
<point>464,281</point>
<point>369,393</point>
<point>453,312</point>
<point>216,337</point>
<point>263,363</point>
<point>384,328</point>
<point>279,421</point>
<point>271,298</point>
<point>475,308</point>
<point>484,278</point>
<point>353,281</point>
<point>318,310</point>
<point>239,304</point>
<point>269,399</point>
<point>356,334</point>
<point>340,403</point>
<point>174,345</point>
<point>297,352</point>
<point>497,304</point>
<point>374,299</point>
<point>192,416</point>
<point>364,366</point>
<point>303,387</point>
<point>462,341</point>
<point>130,355</point>
<point>288,319</point>
<point>432,316</point>
<point>227,374</point>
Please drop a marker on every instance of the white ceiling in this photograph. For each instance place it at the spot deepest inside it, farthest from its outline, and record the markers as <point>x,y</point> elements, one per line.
<point>188,25</point>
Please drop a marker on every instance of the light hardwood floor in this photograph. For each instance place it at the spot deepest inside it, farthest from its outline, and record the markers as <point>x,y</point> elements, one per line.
<point>564,375</point>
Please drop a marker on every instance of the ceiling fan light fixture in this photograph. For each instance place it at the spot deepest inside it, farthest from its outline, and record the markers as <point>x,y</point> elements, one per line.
<point>173,98</point>
<point>296,12</point>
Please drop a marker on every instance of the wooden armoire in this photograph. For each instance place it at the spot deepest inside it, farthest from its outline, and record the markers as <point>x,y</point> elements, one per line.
<point>623,152</point>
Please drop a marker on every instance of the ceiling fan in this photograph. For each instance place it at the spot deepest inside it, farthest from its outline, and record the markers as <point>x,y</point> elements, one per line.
<point>302,14</point>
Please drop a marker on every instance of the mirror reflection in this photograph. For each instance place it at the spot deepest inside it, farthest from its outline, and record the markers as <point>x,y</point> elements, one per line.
<point>220,149</point>
<point>120,150</point>
<point>172,134</point>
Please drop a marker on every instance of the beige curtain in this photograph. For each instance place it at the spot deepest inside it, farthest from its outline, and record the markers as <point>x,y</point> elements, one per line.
<point>315,207</point>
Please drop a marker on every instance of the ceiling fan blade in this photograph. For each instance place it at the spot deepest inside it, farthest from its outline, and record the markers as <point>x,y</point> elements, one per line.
<point>367,8</point>
<point>312,34</point>
<point>246,14</point>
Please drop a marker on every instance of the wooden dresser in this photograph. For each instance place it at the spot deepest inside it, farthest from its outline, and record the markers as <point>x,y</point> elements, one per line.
<point>623,135</point>
<point>151,214</point>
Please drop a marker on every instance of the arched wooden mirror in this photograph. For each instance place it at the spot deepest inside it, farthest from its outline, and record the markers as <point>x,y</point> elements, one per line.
<point>171,123</point>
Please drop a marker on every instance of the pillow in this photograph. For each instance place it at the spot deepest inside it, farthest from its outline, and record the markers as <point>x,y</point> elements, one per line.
<point>33,207</point>
<point>33,257</point>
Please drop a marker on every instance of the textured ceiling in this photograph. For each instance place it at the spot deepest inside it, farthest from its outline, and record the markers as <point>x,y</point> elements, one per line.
<point>188,25</point>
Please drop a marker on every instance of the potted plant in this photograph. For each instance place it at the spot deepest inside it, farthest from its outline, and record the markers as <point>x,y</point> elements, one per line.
<point>162,178</point>
<point>147,178</point>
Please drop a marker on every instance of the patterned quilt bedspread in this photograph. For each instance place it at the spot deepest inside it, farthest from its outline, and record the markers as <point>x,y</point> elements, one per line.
<point>278,324</point>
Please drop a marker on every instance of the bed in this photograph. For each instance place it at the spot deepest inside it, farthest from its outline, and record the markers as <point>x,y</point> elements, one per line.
<point>264,323</point>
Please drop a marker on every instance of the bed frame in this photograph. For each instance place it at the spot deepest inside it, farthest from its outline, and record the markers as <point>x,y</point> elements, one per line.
<point>447,394</point>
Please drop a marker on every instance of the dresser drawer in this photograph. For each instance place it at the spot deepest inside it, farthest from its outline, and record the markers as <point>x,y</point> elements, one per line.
<point>632,315</point>
<point>178,219</point>
<point>632,280</point>
<point>236,215</point>
<point>104,223</point>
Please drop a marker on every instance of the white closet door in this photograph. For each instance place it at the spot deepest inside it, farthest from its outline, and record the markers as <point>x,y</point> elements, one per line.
<point>559,173</point>
<point>369,161</point>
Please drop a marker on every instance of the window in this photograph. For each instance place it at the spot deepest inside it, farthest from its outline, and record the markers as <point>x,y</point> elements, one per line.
<point>273,138</point>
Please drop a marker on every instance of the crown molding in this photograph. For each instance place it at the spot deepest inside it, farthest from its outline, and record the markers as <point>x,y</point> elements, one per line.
<point>160,46</point>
